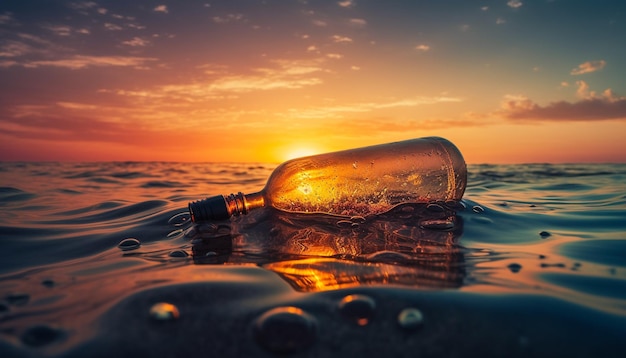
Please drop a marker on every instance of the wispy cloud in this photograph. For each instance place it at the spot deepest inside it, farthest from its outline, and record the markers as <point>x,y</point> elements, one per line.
<point>514,4</point>
<point>591,106</point>
<point>283,75</point>
<point>339,38</point>
<point>346,3</point>
<point>422,47</point>
<point>112,27</point>
<point>80,62</point>
<point>161,8</point>
<point>136,42</point>
<point>357,22</point>
<point>7,18</point>
<point>588,67</point>
<point>340,110</point>
<point>229,18</point>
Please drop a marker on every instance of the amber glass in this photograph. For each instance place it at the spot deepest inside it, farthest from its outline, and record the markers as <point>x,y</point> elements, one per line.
<point>355,182</point>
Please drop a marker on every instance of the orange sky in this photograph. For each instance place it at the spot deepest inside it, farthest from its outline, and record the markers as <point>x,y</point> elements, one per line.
<point>263,81</point>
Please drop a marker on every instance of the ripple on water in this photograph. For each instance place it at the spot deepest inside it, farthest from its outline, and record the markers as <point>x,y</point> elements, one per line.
<point>607,252</point>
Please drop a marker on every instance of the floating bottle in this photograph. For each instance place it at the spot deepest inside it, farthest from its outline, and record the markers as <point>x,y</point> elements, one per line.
<point>355,182</point>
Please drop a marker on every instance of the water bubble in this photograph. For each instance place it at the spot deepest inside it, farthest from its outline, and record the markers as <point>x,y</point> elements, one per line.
<point>178,254</point>
<point>515,267</point>
<point>435,208</point>
<point>285,329</point>
<point>179,219</point>
<point>358,219</point>
<point>40,335</point>
<point>129,244</point>
<point>344,224</point>
<point>358,308</point>
<point>407,209</point>
<point>164,311</point>
<point>410,318</point>
<point>478,209</point>
<point>544,234</point>
<point>18,298</point>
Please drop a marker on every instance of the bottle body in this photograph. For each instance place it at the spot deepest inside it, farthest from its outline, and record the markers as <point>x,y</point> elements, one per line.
<point>369,180</point>
<point>359,182</point>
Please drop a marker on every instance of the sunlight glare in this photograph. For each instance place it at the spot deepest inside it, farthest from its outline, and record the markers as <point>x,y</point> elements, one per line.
<point>300,151</point>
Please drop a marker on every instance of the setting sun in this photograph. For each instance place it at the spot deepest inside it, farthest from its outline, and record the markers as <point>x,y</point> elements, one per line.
<point>300,151</point>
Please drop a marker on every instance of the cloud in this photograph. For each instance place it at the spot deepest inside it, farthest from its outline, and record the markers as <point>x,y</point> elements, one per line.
<point>112,27</point>
<point>282,75</point>
<point>80,61</point>
<point>346,3</point>
<point>588,67</point>
<point>357,22</point>
<point>136,42</point>
<point>60,30</point>
<point>338,38</point>
<point>422,47</point>
<point>591,106</point>
<point>515,4</point>
<point>500,21</point>
<point>229,18</point>
<point>7,18</point>
<point>340,110</point>
<point>161,8</point>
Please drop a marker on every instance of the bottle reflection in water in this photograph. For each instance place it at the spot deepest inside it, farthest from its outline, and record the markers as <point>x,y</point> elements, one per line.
<point>356,182</point>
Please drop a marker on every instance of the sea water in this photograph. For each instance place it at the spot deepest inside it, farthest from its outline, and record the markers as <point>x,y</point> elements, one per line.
<point>101,259</point>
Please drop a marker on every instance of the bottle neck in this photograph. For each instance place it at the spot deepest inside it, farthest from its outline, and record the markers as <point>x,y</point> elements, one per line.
<point>222,207</point>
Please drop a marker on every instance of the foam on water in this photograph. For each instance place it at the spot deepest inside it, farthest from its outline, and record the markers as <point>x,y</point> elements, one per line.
<point>101,259</point>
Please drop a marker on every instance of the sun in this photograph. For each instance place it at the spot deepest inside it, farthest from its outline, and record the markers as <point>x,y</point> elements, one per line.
<point>299,151</point>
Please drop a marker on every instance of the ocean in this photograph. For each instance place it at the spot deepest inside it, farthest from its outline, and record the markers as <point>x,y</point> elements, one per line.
<point>102,260</point>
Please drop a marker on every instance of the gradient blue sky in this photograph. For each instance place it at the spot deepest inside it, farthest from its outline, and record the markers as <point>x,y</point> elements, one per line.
<point>508,81</point>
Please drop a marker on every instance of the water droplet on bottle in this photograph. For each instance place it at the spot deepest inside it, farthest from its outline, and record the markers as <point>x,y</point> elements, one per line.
<point>179,219</point>
<point>544,234</point>
<point>164,311</point>
<point>40,335</point>
<point>435,208</point>
<point>178,254</point>
<point>285,329</point>
<point>358,219</point>
<point>478,209</point>
<point>358,308</point>
<point>437,224</point>
<point>129,244</point>
<point>515,267</point>
<point>411,318</point>
<point>344,223</point>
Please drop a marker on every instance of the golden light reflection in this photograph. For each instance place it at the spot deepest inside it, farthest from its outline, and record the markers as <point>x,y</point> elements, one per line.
<point>298,151</point>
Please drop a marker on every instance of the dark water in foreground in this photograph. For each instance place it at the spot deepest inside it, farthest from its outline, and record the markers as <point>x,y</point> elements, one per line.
<point>535,265</point>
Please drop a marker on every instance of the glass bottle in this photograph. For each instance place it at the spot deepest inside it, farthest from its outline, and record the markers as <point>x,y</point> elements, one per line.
<point>355,182</point>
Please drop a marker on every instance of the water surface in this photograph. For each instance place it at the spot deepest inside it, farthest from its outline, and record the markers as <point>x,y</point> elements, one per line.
<point>531,265</point>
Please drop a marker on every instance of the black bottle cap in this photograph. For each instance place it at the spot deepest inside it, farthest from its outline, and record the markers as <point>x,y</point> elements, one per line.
<point>212,208</point>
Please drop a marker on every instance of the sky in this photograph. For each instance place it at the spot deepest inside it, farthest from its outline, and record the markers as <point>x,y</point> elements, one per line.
<point>507,81</point>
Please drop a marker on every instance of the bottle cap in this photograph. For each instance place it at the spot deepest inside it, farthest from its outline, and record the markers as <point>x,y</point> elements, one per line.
<point>212,208</point>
